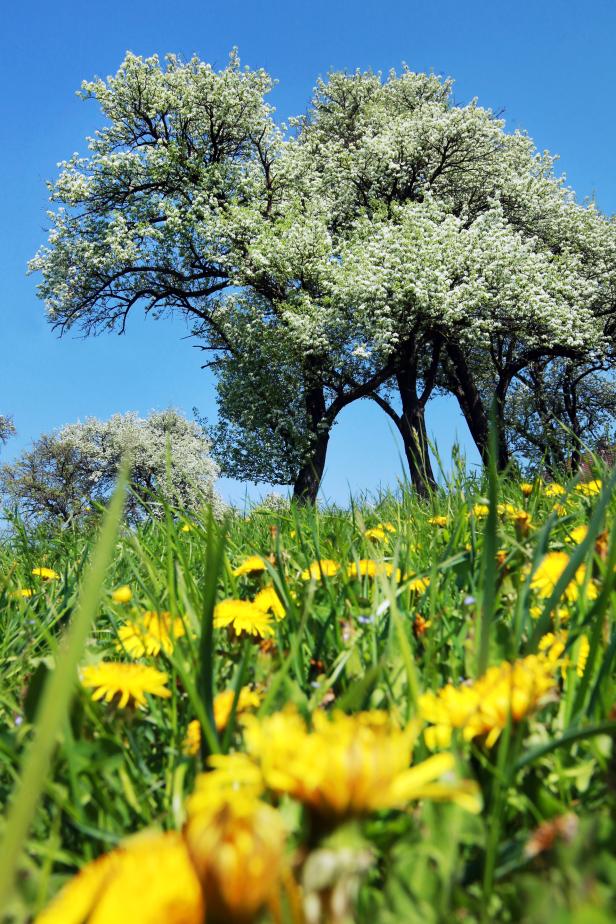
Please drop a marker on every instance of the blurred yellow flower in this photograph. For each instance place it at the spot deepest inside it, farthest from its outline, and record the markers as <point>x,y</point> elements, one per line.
<point>236,842</point>
<point>47,574</point>
<point>269,601</point>
<point>480,511</point>
<point>483,707</point>
<point>248,699</point>
<point>549,571</point>
<point>438,521</point>
<point>367,567</point>
<point>243,616</point>
<point>589,488</point>
<point>554,490</point>
<point>526,488</point>
<point>122,594</point>
<point>325,567</point>
<point>553,646</point>
<point>418,584</point>
<point>377,534</point>
<point>186,528</point>
<point>348,765</point>
<point>24,592</point>
<point>150,634</point>
<point>578,534</point>
<point>105,891</point>
<point>124,684</point>
<point>252,565</point>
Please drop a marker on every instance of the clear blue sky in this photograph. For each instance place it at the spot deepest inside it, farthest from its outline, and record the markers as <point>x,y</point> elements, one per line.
<point>548,65</point>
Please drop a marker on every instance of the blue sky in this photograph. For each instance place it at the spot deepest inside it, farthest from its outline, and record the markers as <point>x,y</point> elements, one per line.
<point>549,67</point>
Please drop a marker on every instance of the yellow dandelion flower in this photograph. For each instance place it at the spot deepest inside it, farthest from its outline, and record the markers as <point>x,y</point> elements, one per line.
<point>367,567</point>
<point>269,601</point>
<point>583,650</point>
<point>526,488</point>
<point>388,527</point>
<point>325,567</point>
<point>248,699</point>
<point>438,521</point>
<point>236,843</point>
<point>124,684</point>
<point>578,534</point>
<point>554,490</point>
<point>418,584</point>
<point>560,510</point>
<point>105,891</point>
<point>46,574</point>
<point>150,634</point>
<point>589,488</point>
<point>484,706</point>
<point>549,571</point>
<point>186,528</point>
<point>24,592</point>
<point>252,566</point>
<point>243,616</point>
<point>480,511</point>
<point>376,534</point>
<point>192,739</point>
<point>122,594</point>
<point>347,765</point>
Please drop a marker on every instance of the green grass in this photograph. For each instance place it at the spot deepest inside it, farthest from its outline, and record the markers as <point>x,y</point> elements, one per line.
<point>78,776</point>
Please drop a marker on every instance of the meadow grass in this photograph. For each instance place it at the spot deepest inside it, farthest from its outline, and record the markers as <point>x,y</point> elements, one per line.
<point>417,595</point>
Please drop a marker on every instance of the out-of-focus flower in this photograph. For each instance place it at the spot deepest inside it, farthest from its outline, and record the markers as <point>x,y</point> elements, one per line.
<point>578,534</point>
<point>186,528</point>
<point>269,601</point>
<point>438,521</point>
<point>252,566</point>
<point>483,707</point>
<point>150,634</point>
<point>589,488</point>
<point>46,574</point>
<point>550,568</point>
<point>243,617</point>
<point>150,879</point>
<point>348,765</point>
<point>376,534</point>
<point>236,842</point>
<point>124,684</point>
<point>480,511</point>
<point>24,592</point>
<point>418,585</point>
<point>368,567</point>
<point>526,488</point>
<point>420,626</point>
<point>554,490</point>
<point>122,594</point>
<point>325,567</point>
<point>553,646</point>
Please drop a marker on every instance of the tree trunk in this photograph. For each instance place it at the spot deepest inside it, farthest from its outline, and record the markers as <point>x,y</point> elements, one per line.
<point>412,427</point>
<point>309,477</point>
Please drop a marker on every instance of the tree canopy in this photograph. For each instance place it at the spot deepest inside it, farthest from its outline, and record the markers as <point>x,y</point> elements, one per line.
<point>388,243</point>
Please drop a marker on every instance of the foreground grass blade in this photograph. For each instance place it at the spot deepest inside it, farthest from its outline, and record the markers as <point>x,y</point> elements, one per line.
<point>56,698</point>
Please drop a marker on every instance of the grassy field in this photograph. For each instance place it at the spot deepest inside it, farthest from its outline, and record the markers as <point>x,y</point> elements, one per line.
<point>406,711</point>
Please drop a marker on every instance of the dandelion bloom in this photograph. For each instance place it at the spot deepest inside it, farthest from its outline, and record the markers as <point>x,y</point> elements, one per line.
<point>186,528</point>
<point>348,765</point>
<point>418,585</point>
<point>269,601</point>
<point>514,514</point>
<point>553,646</point>
<point>589,488</point>
<point>438,521</point>
<point>24,592</point>
<point>367,567</point>
<point>124,684</point>
<point>554,490</point>
<point>150,879</point>
<point>526,488</point>
<point>46,574</point>
<point>480,511</point>
<point>243,616</point>
<point>376,534</point>
<point>122,594</point>
<point>223,702</point>
<point>484,706</point>
<point>252,565</point>
<point>550,568</point>
<point>324,567</point>
<point>236,842</point>
<point>150,634</point>
<point>578,534</point>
